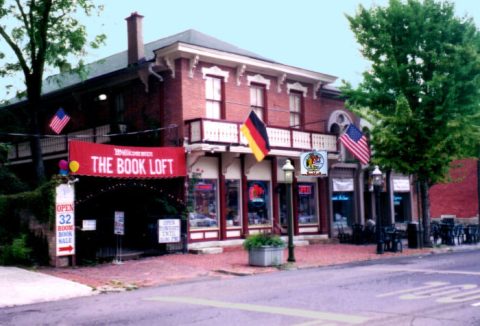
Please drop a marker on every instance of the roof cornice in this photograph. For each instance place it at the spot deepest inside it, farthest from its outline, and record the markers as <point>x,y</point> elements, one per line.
<point>184,50</point>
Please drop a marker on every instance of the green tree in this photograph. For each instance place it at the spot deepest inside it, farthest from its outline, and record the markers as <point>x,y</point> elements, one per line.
<point>422,93</point>
<point>38,35</point>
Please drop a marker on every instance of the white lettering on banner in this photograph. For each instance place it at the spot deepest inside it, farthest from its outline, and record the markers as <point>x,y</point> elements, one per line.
<point>102,164</point>
<point>128,152</point>
<point>158,166</point>
<point>131,166</point>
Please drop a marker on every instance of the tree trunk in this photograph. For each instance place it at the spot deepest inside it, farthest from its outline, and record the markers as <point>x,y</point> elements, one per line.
<point>34,103</point>
<point>424,191</point>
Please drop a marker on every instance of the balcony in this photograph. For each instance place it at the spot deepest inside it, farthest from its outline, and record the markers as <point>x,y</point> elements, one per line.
<point>57,145</point>
<point>205,131</point>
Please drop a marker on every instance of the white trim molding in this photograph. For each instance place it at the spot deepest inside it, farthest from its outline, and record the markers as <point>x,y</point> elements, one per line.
<point>170,63</point>
<point>316,88</point>
<point>280,81</point>
<point>193,64</point>
<point>339,117</point>
<point>297,87</point>
<point>215,71</point>
<point>240,71</point>
<point>258,79</point>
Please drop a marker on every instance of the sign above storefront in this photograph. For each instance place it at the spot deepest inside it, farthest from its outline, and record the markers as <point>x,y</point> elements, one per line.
<point>127,162</point>
<point>401,184</point>
<point>314,163</point>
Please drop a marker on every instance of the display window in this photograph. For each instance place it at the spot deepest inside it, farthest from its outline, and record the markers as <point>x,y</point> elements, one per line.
<point>233,202</point>
<point>307,208</point>
<point>258,203</point>
<point>343,208</point>
<point>203,204</point>
<point>306,203</point>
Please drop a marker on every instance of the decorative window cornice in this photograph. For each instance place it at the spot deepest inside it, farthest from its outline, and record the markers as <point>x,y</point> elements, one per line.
<point>259,79</point>
<point>297,87</point>
<point>215,71</point>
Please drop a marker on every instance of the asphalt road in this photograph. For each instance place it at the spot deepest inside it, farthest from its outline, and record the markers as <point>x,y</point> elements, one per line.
<point>429,290</point>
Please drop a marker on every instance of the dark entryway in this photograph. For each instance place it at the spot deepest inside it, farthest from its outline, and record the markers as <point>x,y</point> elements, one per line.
<point>143,203</point>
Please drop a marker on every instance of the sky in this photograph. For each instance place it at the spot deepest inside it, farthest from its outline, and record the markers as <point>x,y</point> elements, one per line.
<point>310,34</point>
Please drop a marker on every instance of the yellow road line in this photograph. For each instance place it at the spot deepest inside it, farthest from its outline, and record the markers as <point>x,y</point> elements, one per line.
<point>327,316</point>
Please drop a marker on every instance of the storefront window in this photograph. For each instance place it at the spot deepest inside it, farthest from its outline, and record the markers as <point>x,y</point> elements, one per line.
<point>307,209</point>
<point>401,202</point>
<point>258,203</point>
<point>233,203</point>
<point>203,201</point>
<point>343,208</point>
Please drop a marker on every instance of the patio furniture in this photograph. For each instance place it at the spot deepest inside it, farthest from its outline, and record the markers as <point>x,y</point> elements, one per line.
<point>358,234</point>
<point>343,237</point>
<point>435,232</point>
<point>458,234</point>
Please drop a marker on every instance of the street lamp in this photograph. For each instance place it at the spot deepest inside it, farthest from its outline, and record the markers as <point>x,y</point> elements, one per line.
<point>288,170</point>
<point>377,177</point>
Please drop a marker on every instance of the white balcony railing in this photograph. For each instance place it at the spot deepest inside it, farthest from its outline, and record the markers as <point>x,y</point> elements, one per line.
<point>223,132</point>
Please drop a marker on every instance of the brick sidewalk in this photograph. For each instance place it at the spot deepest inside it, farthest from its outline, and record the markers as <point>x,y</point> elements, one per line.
<point>233,261</point>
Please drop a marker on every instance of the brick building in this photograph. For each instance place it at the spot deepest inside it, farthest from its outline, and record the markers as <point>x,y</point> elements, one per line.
<point>458,196</point>
<point>193,91</point>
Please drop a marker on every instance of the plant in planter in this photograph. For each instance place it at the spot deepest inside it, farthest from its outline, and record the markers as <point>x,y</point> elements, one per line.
<point>264,249</point>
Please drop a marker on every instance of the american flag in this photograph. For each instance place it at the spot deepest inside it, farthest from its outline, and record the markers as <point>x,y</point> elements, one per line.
<point>59,121</point>
<point>356,142</point>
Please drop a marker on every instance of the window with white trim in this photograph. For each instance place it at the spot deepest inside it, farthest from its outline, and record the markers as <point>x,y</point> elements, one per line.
<point>213,96</point>
<point>257,100</point>
<point>295,109</point>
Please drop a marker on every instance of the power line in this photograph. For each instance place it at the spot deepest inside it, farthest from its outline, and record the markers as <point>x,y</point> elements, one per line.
<point>16,134</point>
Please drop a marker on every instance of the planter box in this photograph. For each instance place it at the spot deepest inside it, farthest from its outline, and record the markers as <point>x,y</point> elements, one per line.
<point>265,256</point>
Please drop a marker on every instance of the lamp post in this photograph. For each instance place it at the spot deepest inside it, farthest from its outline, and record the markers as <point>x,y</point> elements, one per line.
<point>377,177</point>
<point>288,170</point>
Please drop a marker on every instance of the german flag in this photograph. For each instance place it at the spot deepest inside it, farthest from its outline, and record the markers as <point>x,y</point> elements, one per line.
<point>256,133</point>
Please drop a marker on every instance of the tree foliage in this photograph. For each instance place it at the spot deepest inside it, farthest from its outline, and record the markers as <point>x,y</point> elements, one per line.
<point>423,89</point>
<point>41,35</point>
<point>422,93</point>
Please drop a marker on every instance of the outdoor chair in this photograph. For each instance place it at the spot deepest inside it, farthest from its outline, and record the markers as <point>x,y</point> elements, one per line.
<point>458,234</point>
<point>343,237</point>
<point>446,233</point>
<point>391,239</point>
<point>369,233</point>
<point>435,232</point>
<point>358,234</point>
<point>471,234</point>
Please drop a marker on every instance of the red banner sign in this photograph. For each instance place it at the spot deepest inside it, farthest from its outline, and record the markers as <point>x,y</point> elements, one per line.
<point>127,162</point>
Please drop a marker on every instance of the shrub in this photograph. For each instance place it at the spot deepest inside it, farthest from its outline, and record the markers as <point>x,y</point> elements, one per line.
<point>17,252</point>
<point>263,239</point>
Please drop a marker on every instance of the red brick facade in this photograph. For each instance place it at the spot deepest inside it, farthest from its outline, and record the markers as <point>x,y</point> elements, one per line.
<point>459,196</point>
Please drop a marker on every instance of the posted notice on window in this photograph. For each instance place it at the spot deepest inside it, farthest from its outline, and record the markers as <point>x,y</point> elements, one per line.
<point>168,231</point>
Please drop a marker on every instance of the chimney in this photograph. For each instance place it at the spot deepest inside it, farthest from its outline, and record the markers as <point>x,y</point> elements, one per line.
<point>136,51</point>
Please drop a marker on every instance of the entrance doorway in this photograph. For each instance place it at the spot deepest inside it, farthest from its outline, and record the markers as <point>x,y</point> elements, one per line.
<point>141,202</point>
